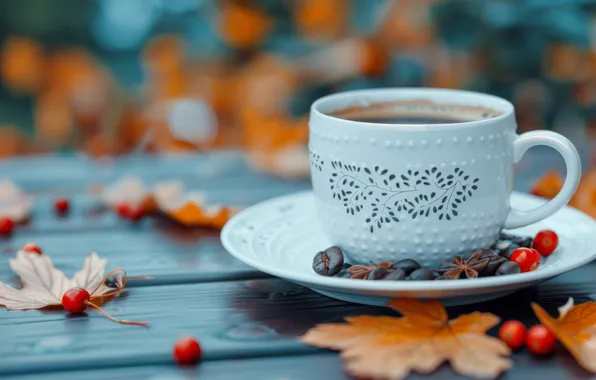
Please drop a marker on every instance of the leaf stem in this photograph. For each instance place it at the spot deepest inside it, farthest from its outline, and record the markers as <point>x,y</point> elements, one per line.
<point>121,321</point>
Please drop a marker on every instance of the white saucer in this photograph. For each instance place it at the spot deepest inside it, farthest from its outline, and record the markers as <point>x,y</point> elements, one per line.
<point>280,237</point>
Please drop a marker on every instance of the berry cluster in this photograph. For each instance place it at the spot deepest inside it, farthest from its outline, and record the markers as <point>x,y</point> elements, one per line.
<point>539,340</point>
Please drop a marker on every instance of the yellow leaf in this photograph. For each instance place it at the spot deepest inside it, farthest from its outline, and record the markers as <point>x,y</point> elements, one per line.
<point>420,341</point>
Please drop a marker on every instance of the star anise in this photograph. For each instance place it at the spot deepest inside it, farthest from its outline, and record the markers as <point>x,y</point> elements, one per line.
<point>469,268</point>
<point>361,272</point>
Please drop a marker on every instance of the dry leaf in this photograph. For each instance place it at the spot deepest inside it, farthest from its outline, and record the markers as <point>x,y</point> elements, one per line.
<point>14,203</point>
<point>548,186</point>
<point>43,285</point>
<point>133,192</point>
<point>576,330</point>
<point>127,190</point>
<point>420,341</point>
<point>584,198</point>
<point>190,209</point>
<point>290,162</point>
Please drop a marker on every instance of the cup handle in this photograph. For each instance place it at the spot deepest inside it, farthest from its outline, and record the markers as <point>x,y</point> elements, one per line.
<point>517,218</point>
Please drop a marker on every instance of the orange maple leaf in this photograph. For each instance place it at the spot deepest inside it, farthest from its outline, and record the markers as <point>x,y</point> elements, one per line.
<point>548,186</point>
<point>190,208</point>
<point>420,341</point>
<point>576,330</point>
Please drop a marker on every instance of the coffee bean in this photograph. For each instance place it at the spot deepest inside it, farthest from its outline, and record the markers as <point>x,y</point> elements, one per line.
<point>407,265</point>
<point>396,275</point>
<point>494,262</point>
<point>507,252</point>
<point>377,273</point>
<point>487,253</point>
<point>521,241</point>
<point>492,266</point>
<point>501,246</point>
<point>328,262</point>
<point>335,251</point>
<point>421,274</point>
<point>508,267</point>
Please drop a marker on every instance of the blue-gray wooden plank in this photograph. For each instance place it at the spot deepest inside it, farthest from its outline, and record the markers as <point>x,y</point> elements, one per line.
<point>257,318</point>
<point>70,173</point>
<point>322,366</point>
<point>87,213</point>
<point>165,252</point>
<point>240,319</point>
<point>215,171</point>
<point>325,366</point>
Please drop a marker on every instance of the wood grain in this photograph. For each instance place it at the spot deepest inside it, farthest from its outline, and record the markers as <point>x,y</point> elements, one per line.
<point>247,325</point>
<point>66,175</point>
<point>322,366</point>
<point>257,318</point>
<point>166,252</point>
<point>87,213</point>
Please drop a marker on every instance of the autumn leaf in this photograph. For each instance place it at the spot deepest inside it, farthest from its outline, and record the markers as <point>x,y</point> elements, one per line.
<point>289,162</point>
<point>190,208</point>
<point>548,186</point>
<point>576,330</point>
<point>43,285</point>
<point>131,191</point>
<point>420,341</point>
<point>14,203</point>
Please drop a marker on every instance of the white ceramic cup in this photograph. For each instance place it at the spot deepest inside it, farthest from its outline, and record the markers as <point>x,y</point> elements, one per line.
<point>387,192</point>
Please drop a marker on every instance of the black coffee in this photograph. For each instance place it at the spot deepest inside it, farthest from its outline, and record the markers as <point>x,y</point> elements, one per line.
<point>414,112</point>
<point>410,119</point>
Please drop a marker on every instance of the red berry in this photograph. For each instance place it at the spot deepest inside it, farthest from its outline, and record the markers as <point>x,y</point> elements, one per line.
<point>130,213</point>
<point>123,210</point>
<point>75,300</point>
<point>528,259</point>
<point>32,248</point>
<point>187,351</point>
<point>61,205</point>
<point>545,242</point>
<point>6,226</point>
<point>540,340</point>
<point>513,333</point>
<point>136,214</point>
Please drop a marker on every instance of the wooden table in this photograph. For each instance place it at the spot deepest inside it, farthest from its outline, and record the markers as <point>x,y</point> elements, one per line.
<point>246,322</point>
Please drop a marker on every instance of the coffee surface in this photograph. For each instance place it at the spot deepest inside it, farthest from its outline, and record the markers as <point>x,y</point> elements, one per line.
<point>409,119</point>
<point>414,112</point>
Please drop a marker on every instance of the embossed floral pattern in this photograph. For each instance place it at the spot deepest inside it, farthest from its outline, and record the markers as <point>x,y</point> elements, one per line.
<point>315,161</point>
<point>388,197</point>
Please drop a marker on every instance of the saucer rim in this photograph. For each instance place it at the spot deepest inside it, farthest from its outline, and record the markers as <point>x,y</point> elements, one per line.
<point>317,281</point>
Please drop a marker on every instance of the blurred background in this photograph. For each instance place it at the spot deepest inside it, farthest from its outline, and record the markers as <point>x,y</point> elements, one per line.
<point>109,77</point>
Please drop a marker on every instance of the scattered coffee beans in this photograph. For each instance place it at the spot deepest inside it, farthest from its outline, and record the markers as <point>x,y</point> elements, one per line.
<point>330,262</point>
